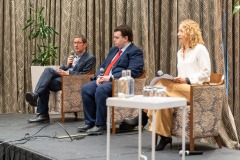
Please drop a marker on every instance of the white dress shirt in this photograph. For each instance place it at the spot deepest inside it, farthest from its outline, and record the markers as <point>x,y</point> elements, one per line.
<point>195,65</point>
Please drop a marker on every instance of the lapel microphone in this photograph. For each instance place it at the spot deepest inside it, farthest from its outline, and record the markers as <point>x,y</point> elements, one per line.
<point>71,55</point>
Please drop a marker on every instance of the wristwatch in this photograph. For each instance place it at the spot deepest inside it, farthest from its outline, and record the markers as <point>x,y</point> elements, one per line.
<point>111,78</point>
<point>187,80</point>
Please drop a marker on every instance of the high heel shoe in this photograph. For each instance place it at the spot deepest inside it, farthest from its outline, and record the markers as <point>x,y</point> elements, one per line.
<point>163,142</point>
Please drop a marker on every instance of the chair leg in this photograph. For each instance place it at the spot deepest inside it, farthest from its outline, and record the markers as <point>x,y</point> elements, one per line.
<point>113,127</point>
<point>191,144</point>
<point>113,122</point>
<point>63,117</point>
<point>218,140</point>
<point>76,115</point>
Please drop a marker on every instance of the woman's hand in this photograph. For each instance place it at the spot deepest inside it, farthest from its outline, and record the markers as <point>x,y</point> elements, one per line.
<point>179,80</point>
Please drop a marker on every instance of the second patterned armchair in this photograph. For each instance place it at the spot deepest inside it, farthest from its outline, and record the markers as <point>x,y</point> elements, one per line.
<point>119,113</point>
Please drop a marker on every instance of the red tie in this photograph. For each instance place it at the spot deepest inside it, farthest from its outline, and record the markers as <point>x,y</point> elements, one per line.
<point>112,63</point>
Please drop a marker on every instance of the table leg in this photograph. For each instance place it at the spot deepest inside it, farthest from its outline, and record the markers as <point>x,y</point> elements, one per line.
<point>108,133</point>
<point>139,134</point>
<point>183,131</point>
<point>153,133</point>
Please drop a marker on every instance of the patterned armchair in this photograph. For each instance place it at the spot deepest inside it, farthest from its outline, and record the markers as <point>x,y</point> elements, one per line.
<point>69,99</point>
<point>204,113</point>
<point>118,113</point>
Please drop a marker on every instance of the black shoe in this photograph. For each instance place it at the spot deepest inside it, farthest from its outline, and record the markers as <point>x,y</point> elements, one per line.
<point>96,130</point>
<point>40,118</point>
<point>163,142</point>
<point>134,122</point>
<point>125,127</point>
<point>84,128</point>
<point>31,98</point>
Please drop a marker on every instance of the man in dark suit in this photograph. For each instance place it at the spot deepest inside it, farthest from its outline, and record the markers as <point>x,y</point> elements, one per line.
<point>124,55</point>
<point>79,63</point>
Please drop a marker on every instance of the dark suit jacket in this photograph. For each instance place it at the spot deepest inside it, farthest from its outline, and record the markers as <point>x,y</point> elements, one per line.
<point>84,65</point>
<point>131,58</point>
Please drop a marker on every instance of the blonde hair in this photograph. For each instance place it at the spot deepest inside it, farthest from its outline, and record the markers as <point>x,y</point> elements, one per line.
<point>192,32</point>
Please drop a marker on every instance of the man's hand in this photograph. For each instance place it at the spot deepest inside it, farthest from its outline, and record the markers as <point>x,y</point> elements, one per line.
<point>102,79</point>
<point>62,72</point>
<point>179,80</point>
<point>70,60</point>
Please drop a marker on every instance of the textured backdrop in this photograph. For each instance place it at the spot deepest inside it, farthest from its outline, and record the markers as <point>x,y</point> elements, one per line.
<point>155,25</point>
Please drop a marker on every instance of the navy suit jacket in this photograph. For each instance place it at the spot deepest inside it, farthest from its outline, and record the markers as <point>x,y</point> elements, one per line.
<point>131,58</point>
<point>84,65</point>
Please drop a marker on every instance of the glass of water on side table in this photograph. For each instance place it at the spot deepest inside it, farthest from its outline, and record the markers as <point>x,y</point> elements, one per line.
<point>149,91</point>
<point>160,91</point>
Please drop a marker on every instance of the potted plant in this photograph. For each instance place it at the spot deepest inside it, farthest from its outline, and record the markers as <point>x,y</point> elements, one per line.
<point>236,7</point>
<point>38,30</point>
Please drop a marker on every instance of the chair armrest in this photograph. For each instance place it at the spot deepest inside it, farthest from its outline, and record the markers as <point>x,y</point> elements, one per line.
<point>206,110</point>
<point>71,91</point>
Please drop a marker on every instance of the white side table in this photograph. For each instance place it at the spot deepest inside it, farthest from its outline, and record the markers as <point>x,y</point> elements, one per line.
<point>152,103</point>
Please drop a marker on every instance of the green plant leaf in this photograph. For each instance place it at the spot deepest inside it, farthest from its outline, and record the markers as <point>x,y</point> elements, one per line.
<point>41,10</point>
<point>43,33</point>
<point>27,26</point>
<point>235,2</point>
<point>236,9</point>
<point>35,35</point>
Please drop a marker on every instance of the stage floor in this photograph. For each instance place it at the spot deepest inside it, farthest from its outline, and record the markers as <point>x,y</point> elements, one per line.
<point>123,145</point>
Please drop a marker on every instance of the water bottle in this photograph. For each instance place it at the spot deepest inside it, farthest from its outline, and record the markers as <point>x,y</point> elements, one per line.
<point>123,85</point>
<point>130,84</point>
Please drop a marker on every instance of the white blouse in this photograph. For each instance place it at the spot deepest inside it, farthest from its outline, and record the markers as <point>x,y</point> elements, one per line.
<point>195,65</point>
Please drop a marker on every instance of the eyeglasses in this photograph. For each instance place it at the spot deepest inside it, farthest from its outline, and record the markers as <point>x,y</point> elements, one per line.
<point>78,42</point>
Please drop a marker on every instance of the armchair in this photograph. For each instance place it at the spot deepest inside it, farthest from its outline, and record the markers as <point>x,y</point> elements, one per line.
<point>69,99</point>
<point>118,114</point>
<point>204,113</point>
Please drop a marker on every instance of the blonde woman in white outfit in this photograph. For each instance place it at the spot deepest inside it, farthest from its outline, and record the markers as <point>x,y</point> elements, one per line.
<point>193,68</point>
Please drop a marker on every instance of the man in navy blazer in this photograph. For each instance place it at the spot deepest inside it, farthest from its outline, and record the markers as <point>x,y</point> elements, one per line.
<point>79,62</point>
<point>124,55</point>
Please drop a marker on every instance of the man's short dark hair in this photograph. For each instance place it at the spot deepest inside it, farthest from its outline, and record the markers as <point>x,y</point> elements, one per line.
<point>84,39</point>
<point>126,31</point>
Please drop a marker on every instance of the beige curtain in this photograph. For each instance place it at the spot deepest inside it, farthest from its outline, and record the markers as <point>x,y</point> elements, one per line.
<point>14,57</point>
<point>155,25</point>
<point>232,49</point>
<point>94,18</point>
